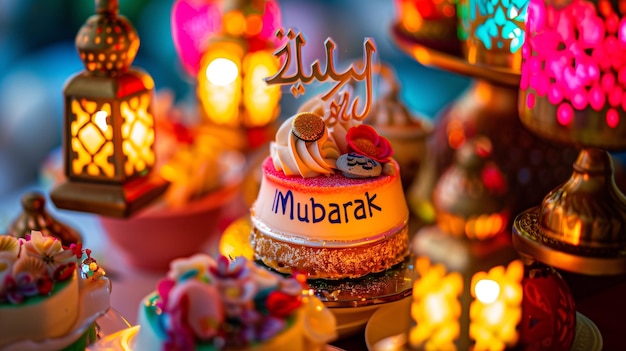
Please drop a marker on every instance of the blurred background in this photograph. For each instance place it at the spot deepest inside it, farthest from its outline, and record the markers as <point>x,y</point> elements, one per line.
<point>37,57</point>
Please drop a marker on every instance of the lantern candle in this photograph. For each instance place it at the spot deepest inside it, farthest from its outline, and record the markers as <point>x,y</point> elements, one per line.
<point>219,83</point>
<point>573,72</point>
<point>109,127</point>
<point>231,86</point>
<point>466,293</point>
<point>471,194</point>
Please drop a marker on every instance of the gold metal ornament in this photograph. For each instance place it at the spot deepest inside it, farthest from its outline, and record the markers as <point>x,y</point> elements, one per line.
<point>580,225</point>
<point>109,131</point>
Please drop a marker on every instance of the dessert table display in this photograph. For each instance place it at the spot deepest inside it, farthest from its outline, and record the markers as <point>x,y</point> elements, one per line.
<point>252,228</point>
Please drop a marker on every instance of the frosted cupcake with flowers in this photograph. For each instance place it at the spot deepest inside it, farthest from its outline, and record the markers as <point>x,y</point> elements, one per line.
<point>50,295</point>
<point>223,304</point>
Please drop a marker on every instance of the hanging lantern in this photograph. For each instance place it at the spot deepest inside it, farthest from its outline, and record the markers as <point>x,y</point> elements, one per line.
<point>231,86</point>
<point>109,127</point>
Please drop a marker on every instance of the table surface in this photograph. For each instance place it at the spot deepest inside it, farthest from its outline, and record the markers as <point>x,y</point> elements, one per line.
<point>601,299</point>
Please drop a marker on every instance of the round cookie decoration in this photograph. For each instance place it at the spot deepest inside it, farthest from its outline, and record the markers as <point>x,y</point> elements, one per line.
<point>354,165</point>
<point>308,126</point>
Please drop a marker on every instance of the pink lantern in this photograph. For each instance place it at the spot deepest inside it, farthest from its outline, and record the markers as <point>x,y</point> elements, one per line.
<point>573,90</point>
<point>193,23</point>
<point>574,72</point>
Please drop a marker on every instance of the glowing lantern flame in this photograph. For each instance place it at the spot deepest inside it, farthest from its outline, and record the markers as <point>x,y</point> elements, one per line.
<point>487,290</point>
<point>222,72</point>
<point>101,120</point>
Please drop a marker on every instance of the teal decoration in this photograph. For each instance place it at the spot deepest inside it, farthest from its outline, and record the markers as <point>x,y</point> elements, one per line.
<point>503,25</point>
<point>463,27</point>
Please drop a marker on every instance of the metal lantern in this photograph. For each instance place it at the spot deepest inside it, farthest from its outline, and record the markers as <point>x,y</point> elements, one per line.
<point>572,88</point>
<point>472,291</point>
<point>468,288</point>
<point>470,196</point>
<point>109,127</point>
<point>466,293</point>
<point>231,86</point>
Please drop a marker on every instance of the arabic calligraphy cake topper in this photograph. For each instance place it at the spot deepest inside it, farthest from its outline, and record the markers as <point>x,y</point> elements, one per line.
<point>340,107</point>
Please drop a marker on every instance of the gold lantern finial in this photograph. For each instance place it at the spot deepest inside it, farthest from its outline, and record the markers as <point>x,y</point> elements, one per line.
<point>34,216</point>
<point>107,43</point>
<point>109,130</point>
<point>107,7</point>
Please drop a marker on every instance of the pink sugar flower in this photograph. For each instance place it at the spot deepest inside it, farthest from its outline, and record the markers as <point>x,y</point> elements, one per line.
<point>204,319</point>
<point>364,140</point>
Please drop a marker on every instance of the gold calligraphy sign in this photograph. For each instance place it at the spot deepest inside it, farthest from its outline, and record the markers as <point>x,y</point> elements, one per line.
<point>341,108</point>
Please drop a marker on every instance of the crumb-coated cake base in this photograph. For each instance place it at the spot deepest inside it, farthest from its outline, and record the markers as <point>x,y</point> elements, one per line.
<point>331,262</point>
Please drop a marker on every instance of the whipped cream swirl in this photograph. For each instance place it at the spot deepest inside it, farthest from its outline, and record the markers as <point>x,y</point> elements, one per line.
<point>308,159</point>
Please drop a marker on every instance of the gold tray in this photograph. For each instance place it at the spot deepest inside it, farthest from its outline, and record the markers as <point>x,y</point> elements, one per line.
<point>428,56</point>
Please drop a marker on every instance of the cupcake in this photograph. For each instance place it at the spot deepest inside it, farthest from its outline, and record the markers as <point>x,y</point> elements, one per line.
<point>50,295</point>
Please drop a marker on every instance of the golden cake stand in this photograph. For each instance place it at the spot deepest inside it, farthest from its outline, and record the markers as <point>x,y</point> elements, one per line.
<point>533,166</point>
<point>352,301</point>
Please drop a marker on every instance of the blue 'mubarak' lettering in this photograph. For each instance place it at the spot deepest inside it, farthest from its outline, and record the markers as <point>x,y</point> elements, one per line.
<point>318,212</point>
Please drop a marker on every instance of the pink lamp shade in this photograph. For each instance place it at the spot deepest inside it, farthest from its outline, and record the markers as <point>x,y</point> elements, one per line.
<point>271,22</point>
<point>193,22</point>
<point>573,75</point>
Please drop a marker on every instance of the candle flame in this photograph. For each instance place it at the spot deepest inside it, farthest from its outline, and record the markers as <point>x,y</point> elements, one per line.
<point>487,290</point>
<point>222,72</point>
<point>101,120</point>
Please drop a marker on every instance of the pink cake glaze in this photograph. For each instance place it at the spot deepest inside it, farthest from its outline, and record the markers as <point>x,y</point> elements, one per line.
<point>335,183</point>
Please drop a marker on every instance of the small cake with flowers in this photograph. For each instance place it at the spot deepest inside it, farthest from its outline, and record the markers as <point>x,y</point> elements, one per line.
<point>223,304</point>
<point>50,295</point>
<point>331,202</point>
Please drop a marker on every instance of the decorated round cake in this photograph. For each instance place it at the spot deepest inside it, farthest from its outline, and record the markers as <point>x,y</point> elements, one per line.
<point>223,304</point>
<point>330,203</point>
<point>50,295</point>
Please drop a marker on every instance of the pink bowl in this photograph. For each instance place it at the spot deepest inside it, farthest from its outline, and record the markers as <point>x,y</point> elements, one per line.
<point>159,234</point>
